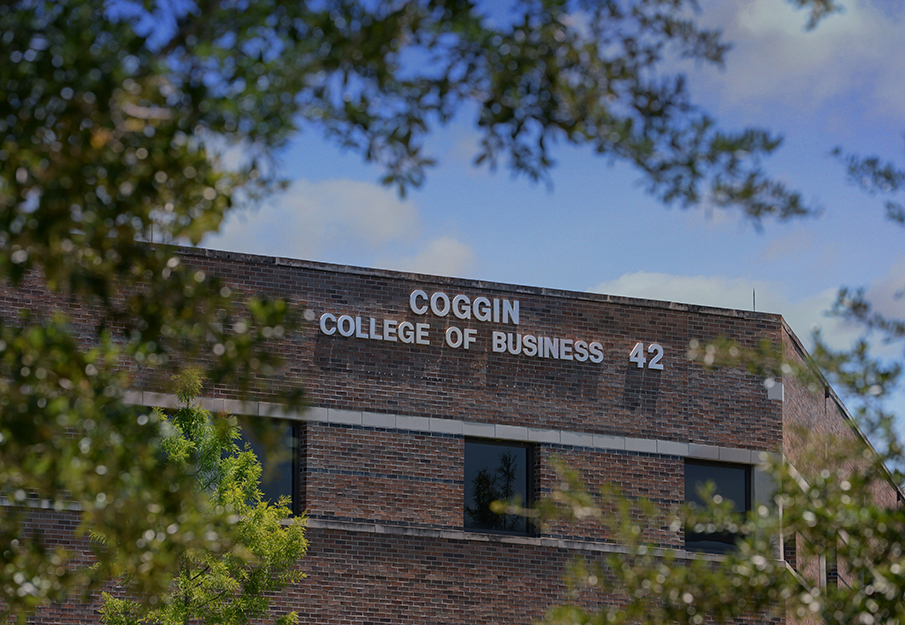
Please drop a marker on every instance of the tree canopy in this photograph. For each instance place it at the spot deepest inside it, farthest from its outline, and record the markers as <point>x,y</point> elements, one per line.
<point>113,121</point>
<point>828,548</point>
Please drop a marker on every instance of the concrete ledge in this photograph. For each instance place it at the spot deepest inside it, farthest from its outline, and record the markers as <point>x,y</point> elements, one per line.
<point>479,430</point>
<point>215,405</point>
<point>43,504</point>
<point>456,427</point>
<point>536,435</point>
<point>485,537</point>
<point>159,400</point>
<point>762,457</point>
<point>268,409</point>
<point>703,452</point>
<point>672,448</point>
<point>642,445</point>
<point>577,439</point>
<point>512,433</point>
<point>419,424</point>
<point>446,426</point>
<point>237,407</point>
<point>378,420</point>
<point>344,417</point>
<point>735,455</point>
<point>132,398</point>
<point>315,414</point>
<point>603,441</point>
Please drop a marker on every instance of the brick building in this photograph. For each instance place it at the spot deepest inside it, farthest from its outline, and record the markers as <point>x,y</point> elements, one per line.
<point>429,396</point>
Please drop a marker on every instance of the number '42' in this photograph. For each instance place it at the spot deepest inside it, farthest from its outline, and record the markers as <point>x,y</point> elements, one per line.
<point>637,356</point>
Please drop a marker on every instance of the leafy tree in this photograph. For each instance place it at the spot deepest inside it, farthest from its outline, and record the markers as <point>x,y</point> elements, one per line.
<point>232,586</point>
<point>842,523</point>
<point>113,117</point>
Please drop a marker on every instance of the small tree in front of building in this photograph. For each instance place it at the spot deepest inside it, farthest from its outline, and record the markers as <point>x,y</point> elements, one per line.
<point>235,585</point>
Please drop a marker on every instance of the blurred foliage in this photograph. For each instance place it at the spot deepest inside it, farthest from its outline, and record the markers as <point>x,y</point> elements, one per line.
<point>233,584</point>
<point>876,177</point>
<point>830,545</point>
<point>819,9</point>
<point>869,373</point>
<point>844,544</point>
<point>118,123</point>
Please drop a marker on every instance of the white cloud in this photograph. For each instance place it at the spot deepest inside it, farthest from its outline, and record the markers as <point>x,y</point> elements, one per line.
<point>311,217</point>
<point>344,221</point>
<point>801,314</point>
<point>800,248</point>
<point>700,290</point>
<point>445,256</point>
<point>797,244</point>
<point>855,53</point>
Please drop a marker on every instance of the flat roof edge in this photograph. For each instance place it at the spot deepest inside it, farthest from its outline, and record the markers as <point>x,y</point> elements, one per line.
<point>484,285</point>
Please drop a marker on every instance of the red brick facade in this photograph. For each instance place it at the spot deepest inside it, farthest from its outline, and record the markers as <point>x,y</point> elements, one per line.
<point>382,448</point>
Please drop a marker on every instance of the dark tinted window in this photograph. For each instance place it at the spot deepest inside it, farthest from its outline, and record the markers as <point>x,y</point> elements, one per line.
<point>279,467</point>
<point>733,483</point>
<point>496,472</point>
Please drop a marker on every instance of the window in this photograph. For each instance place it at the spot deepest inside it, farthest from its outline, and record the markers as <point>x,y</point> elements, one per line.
<point>831,572</point>
<point>733,484</point>
<point>279,475</point>
<point>496,471</point>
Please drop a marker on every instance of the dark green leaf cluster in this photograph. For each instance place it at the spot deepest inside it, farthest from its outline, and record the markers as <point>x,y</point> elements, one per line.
<point>838,510</point>
<point>69,443</point>
<point>842,518</point>
<point>874,176</point>
<point>377,77</point>
<point>820,9</point>
<point>838,517</point>
<point>642,582</point>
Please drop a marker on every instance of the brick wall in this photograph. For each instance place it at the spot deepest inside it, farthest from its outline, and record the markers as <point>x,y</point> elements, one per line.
<point>356,578</point>
<point>725,407</point>
<point>402,478</point>
<point>387,544</point>
<point>819,434</point>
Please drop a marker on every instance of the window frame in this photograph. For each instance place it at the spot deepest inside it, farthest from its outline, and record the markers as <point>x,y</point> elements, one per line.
<point>530,487</point>
<point>294,461</point>
<point>721,542</point>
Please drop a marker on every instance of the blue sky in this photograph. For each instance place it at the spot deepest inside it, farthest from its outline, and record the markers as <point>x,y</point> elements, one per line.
<point>596,230</point>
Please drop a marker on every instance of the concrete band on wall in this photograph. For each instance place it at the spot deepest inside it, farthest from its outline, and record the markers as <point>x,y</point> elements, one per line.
<point>456,427</point>
<point>762,486</point>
